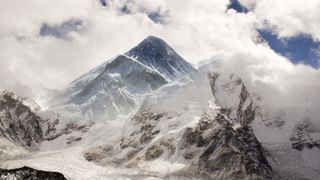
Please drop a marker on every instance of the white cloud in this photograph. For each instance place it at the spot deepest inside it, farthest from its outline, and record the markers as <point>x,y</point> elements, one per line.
<point>196,29</point>
<point>288,18</point>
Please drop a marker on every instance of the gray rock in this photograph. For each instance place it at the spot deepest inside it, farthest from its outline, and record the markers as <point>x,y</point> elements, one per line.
<point>26,173</point>
<point>17,122</point>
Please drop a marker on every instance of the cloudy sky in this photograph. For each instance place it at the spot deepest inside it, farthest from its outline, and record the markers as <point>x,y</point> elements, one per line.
<point>49,43</point>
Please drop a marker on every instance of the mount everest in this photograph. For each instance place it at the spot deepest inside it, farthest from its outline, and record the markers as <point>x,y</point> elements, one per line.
<point>148,113</point>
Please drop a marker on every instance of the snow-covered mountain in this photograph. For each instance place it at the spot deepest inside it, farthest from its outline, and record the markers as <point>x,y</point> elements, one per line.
<point>163,124</point>
<point>116,87</point>
<point>178,133</point>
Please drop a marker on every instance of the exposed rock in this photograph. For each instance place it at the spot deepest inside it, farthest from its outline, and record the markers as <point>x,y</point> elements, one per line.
<point>153,152</point>
<point>97,153</point>
<point>17,122</point>
<point>224,152</point>
<point>156,53</point>
<point>240,107</point>
<point>68,129</point>
<point>305,135</point>
<point>27,173</point>
<point>145,122</point>
<point>73,139</point>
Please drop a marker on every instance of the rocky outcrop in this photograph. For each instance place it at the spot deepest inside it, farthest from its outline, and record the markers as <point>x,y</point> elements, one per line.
<point>305,135</point>
<point>233,97</point>
<point>97,153</point>
<point>220,151</point>
<point>27,173</point>
<point>17,122</point>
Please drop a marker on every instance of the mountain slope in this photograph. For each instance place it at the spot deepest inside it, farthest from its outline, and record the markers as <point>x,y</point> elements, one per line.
<point>112,89</point>
<point>117,86</point>
<point>157,54</point>
<point>177,132</point>
<point>17,122</point>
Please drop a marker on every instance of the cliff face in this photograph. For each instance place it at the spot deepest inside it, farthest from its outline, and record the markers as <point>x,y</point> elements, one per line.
<point>17,122</point>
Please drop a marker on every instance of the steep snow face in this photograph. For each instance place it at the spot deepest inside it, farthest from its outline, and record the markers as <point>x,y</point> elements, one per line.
<point>179,130</point>
<point>157,54</point>
<point>117,86</point>
<point>17,122</point>
<point>112,89</point>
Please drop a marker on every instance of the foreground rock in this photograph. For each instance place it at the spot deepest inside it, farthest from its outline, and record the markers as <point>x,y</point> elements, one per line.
<point>27,173</point>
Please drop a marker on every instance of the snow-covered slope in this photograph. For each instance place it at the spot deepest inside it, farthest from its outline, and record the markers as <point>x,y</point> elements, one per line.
<point>177,132</point>
<point>115,90</point>
<point>116,87</point>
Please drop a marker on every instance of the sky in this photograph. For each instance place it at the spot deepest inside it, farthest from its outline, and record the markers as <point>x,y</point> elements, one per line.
<point>47,44</point>
<point>300,48</point>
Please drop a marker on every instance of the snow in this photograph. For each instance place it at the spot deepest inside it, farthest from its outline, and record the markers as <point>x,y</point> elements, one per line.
<point>107,97</point>
<point>9,150</point>
<point>312,158</point>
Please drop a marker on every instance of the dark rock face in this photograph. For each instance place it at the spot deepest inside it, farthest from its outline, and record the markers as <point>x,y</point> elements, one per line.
<point>17,122</point>
<point>27,173</point>
<point>302,136</point>
<point>156,53</point>
<point>225,153</point>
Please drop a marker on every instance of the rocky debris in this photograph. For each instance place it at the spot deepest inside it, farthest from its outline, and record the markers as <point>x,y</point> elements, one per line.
<point>27,173</point>
<point>68,129</point>
<point>145,124</point>
<point>51,129</point>
<point>305,135</point>
<point>17,122</point>
<point>73,139</point>
<point>153,152</point>
<point>97,153</point>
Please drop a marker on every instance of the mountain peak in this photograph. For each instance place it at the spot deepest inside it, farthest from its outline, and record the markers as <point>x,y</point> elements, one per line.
<point>156,53</point>
<point>151,46</point>
<point>154,41</point>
